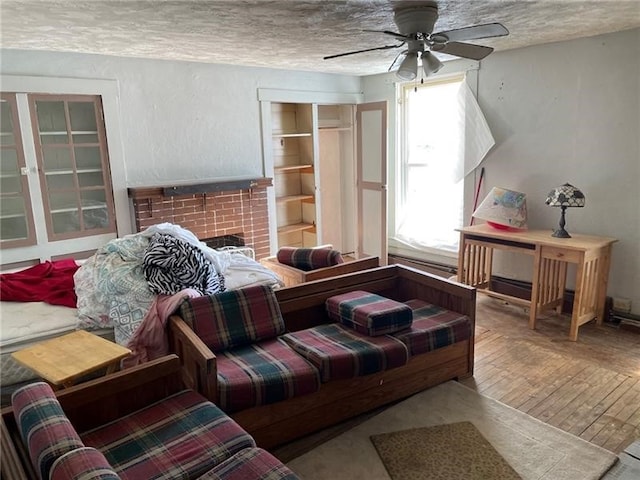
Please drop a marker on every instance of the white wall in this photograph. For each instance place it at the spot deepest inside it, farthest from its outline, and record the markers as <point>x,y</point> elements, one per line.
<point>570,112</point>
<point>181,120</point>
<point>560,112</point>
<point>566,112</point>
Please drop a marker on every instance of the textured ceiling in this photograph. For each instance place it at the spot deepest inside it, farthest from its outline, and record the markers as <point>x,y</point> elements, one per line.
<point>286,34</point>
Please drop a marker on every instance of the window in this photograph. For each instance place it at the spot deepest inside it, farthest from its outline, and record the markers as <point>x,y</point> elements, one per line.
<point>73,165</point>
<point>444,138</point>
<point>431,205</point>
<point>16,219</point>
<point>55,176</point>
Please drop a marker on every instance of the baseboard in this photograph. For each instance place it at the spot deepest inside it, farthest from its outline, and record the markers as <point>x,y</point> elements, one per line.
<point>506,286</point>
<point>434,268</point>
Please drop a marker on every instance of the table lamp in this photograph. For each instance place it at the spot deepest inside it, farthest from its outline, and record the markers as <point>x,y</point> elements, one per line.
<point>564,196</point>
<point>503,209</point>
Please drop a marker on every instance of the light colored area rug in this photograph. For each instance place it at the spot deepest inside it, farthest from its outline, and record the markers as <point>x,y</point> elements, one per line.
<point>534,449</point>
<point>443,452</point>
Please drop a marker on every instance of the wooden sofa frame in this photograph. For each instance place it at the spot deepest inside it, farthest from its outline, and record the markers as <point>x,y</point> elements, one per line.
<point>92,404</point>
<point>292,276</point>
<point>302,307</point>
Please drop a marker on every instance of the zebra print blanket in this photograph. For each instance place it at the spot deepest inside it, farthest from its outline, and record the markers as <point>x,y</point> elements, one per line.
<point>171,265</point>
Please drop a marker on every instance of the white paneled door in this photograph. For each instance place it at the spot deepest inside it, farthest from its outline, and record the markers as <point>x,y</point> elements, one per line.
<point>371,120</point>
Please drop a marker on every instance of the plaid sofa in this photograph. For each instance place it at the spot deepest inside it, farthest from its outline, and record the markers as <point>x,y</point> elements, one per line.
<point>183,436</point>
<point>258,363</point>
<point>254,366</point>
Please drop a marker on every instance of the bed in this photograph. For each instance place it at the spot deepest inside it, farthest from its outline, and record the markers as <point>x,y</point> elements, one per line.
<point>115,298</point>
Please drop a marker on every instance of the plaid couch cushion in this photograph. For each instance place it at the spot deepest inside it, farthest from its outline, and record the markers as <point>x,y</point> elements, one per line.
<point>433,327</point>
<point>250,464</point>
<point>182,436</point>
<point>234,318</point>
<point>263,373</point>
<point>309,258</point>
<point>44,427</point>
<point>84,463</point>
<point>369,313</point>
<point>339,352</point>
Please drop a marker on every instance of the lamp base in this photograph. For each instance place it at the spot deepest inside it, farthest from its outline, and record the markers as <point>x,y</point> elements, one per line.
<point>561,233</point>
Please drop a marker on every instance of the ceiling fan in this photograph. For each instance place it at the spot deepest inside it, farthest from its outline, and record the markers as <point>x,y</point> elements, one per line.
<point>415,30</point>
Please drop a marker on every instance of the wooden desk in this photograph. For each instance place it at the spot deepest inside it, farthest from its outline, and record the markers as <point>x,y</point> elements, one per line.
<point>551,255</point>
<point>62,360</point>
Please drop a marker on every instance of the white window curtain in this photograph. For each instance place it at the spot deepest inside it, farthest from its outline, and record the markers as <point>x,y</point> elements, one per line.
<point>445,138</point>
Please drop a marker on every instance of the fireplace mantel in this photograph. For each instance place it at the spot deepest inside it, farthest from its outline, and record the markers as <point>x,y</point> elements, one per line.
<point>198,188</point>
<point>235,207</point>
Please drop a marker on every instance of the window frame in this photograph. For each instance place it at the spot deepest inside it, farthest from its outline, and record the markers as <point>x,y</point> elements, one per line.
<point>424,252</point>
<point>104,160</point>
<point>109,92</point>
<point>18,145</point>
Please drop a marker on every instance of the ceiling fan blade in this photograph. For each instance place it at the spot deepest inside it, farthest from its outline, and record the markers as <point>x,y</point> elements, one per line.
<point>386,47</point>
<point>389,32</point>
<point>395,60</point>
<point>465,50</point>
<point>478,31</point>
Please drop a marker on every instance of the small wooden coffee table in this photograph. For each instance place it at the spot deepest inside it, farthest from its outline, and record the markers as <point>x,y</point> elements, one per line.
<point>62,360</point>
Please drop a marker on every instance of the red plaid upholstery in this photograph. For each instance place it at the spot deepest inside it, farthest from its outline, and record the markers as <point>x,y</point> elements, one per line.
<point>182,436</point>
<point>309,258</point>
<point>433,327</point>
<point>339,352</point>
<point>234,318</point>
<point>84,463</point>
<point>250,464</point>
<point>263,373</point>
<point>369,313</point>
<point>44,428</point>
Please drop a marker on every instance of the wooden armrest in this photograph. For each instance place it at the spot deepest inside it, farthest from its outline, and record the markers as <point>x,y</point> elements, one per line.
<point>293,276</point>
<point>198,362</point>
<point>342,268</point>
<point>105,399</point>
<point>15,464</point>
<point>99,401</point>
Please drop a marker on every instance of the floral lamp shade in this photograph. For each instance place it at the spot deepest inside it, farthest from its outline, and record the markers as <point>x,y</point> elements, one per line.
<point>504,209</point>
<point>564,196</point>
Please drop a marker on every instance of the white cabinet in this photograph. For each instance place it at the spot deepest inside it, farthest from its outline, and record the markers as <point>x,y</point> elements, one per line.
<point>312,153</point>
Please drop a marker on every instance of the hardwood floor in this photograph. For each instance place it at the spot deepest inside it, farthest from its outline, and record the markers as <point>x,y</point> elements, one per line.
<point>590,388</point>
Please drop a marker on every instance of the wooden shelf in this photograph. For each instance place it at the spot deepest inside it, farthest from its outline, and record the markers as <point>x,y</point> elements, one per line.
<point>291,135</point>
<point>336,129</point>
<point>295,198</point>
<point>294,168</point>
<point>297,227</point>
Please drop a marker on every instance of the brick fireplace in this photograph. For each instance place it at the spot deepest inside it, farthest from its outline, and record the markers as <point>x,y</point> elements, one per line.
<point>230,209</point>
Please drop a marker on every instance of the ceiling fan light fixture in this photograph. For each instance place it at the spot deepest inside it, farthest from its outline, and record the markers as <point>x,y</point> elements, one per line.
<point>430,63</point>
<point>409,67</point>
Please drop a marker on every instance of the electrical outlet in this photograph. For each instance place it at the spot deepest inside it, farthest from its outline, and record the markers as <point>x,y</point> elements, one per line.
<point>622,305</point>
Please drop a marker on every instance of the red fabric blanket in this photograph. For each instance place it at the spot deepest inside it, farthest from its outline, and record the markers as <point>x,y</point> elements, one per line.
<point>50,282</point>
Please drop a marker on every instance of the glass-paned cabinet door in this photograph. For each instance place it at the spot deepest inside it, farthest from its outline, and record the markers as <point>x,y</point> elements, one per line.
<point>73,165</point>
<point>16,216</point>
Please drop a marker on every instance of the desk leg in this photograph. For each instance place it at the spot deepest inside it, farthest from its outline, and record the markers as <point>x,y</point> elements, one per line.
<point>577,301</point>
<point>535,288</point>
<point>461,262</point>
<point>603,274</point>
